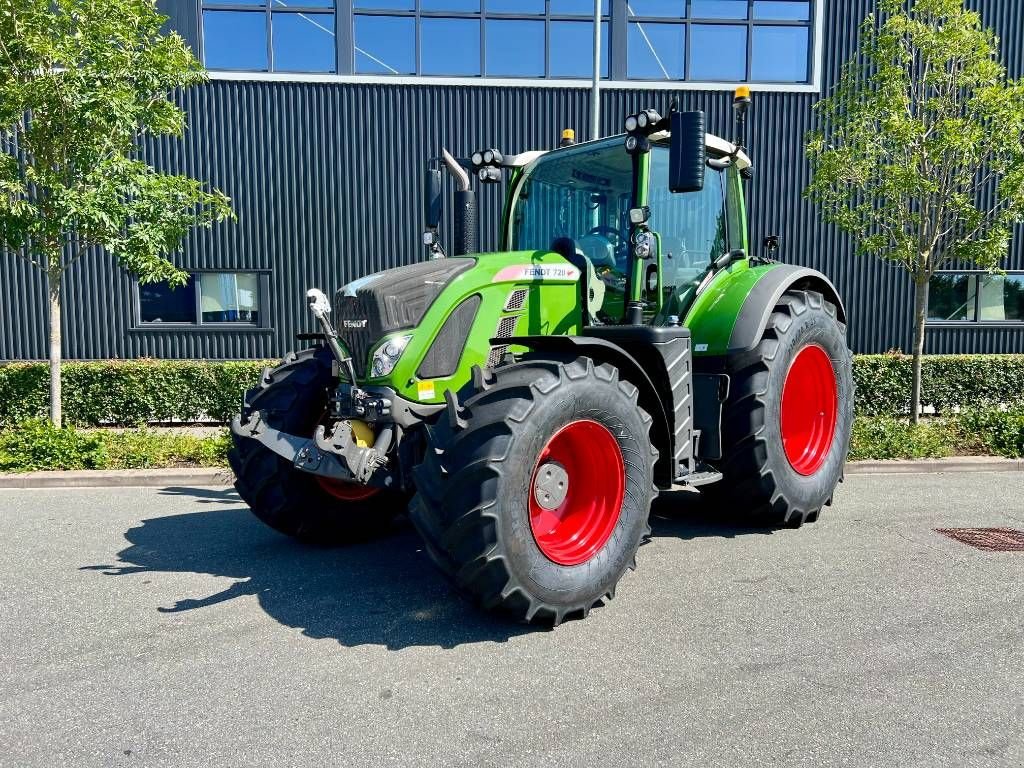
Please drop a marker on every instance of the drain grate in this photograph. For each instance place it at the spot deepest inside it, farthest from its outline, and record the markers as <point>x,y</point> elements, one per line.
<point>988,539</point>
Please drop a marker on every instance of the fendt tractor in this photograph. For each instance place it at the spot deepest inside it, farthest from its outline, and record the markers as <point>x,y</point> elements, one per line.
<point>527,406</point>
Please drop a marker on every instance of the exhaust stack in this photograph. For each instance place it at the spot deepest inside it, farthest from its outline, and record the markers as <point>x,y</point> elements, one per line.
<point>466,220</point>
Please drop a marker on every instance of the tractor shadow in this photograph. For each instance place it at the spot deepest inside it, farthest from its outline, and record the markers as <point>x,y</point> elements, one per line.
<point>384,592</point>
<point>687,515</point>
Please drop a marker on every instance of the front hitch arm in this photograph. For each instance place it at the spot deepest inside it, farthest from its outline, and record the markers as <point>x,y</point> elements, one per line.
<point>335,456</point>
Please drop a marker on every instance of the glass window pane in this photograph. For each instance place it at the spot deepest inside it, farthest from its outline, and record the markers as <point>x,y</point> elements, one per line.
<point>283,5</point>
<point>229,297</point>
<point>782,11</point>
<point>718,52</point>
<point>385,45</point>
<point>386,5</point>
<point>515,6</point>
<point>670,9</point>
<point>235,40</point>
<point>450,46</point>
<point>719,9</point>
<point>261,3</point>
<point>1014,297</point>
<point>515,48</point>
<point>571,49</point>
<point>656,51</point>
<point>159,303</point>
<point>303,42</point>
<point>576,7</point>
<point>952,297</point>
<point>692,227</point>
<point>450,5</point>
<point>1001,298</point>
<point>780,53</point>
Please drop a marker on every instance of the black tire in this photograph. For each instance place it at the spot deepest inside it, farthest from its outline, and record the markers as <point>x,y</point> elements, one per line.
<point>293,397</point>
<point>759,478</point>
<point>473,488</point>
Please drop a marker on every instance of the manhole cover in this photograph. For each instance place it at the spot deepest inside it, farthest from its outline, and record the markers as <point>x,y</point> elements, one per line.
<point>988,539</point>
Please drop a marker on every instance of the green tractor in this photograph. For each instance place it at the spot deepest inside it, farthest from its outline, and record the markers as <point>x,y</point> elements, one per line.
<point>527,406</point>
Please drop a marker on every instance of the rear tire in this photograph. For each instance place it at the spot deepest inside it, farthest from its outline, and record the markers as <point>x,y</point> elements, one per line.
<point>482,507</point>
<point>292,397</point>
<point>786,425</point>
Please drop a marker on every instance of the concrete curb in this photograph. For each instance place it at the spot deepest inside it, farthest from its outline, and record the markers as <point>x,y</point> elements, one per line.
<point>213,477</point>
<point>120,478</point>
<point>934,466</point>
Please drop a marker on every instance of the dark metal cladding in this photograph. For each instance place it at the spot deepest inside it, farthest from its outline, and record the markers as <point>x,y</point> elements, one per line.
<point>324,194</point>
<point>367,309</point>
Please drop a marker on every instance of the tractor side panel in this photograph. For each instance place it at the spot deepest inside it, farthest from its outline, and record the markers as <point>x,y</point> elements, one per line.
<point>524,293</point>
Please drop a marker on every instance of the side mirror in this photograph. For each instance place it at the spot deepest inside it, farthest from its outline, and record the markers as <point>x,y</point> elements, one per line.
<point>432,198</point>
<point>688,153</point>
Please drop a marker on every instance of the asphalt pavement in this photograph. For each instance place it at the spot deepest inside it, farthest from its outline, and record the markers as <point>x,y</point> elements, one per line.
<point>167,627</point>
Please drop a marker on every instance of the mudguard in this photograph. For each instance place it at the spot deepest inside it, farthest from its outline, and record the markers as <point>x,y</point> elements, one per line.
<point>757,309</point>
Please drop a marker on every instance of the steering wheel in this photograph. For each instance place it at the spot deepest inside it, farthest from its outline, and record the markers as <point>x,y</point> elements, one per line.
<point>610,233</point>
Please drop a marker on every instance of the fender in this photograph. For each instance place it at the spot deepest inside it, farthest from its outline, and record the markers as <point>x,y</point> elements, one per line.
<point>757,308</point>
<point>601,350</point>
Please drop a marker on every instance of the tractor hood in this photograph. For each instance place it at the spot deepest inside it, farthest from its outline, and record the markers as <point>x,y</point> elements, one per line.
<point>395,299</point>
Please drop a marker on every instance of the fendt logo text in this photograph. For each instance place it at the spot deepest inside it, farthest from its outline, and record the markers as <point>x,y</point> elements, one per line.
<point>354,323</point>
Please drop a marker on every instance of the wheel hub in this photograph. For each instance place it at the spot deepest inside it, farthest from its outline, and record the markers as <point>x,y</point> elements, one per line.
<point>551,485</point>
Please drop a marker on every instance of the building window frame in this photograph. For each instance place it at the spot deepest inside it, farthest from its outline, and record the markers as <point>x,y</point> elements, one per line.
<point>199,325</point>
<point>977,322</point>
<point>616,22</point>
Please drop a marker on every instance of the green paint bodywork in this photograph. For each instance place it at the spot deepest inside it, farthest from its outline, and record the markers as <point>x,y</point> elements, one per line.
<point>552,306</point>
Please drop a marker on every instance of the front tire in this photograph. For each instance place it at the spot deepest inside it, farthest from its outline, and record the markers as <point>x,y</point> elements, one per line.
<point>534,496</point>
<point>292,397</point>
<point>786,425</point>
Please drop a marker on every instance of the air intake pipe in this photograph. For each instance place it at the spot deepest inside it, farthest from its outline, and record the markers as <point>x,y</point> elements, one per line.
<point>466,223</point>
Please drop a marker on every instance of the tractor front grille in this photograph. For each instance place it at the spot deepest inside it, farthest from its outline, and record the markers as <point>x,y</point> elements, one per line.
<point>393,300</point>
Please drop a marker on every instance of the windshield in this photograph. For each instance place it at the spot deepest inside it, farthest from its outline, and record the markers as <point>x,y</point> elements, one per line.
<point>583,194</point>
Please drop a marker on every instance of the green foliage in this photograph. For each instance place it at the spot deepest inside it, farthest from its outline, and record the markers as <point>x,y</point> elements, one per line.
<point>982,432</point>
<point>130,392</point>
<point>923,125</point>
<point>81,83</point>
<point>142,449</point>
<point>883,437</point>
<point>996,432</point>
<point>38,445</point>
<point>949,382</point>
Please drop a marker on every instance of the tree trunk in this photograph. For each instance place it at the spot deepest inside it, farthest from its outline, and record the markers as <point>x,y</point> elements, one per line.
<point>53,281</point>
<point>920,316</point>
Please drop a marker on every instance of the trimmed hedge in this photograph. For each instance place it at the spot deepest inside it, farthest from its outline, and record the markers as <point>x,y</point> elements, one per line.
<point>129,392</point>
<point>990,432</point>
<point>135,392</point>
<point>948,382</point>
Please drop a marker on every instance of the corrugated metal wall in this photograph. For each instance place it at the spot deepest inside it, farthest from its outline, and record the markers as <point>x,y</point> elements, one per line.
<point>326,179</point>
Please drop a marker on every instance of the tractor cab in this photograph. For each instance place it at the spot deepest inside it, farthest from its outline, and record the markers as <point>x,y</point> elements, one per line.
<point>612,214</point>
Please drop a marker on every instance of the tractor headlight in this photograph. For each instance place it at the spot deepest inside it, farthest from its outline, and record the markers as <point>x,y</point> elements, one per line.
<point>641,119</point>
<point>489,156</point>
<point>477,158</point>
<point>386,356</point>
<point>643,245</point>
<point>631,124</point>
<point>632,142</point>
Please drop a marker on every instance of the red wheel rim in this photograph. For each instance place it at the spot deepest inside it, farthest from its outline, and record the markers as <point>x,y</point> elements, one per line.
<point>346,491</point>
<point>338,488</point>
<point>575,520</point>
<point>809,410</point>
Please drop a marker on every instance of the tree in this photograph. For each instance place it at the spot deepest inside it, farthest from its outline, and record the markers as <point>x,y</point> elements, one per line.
<point>919,151</point>
<point>81,83</point>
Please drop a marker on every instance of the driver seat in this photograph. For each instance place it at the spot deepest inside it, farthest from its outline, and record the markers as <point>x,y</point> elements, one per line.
<point>592,288</point>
